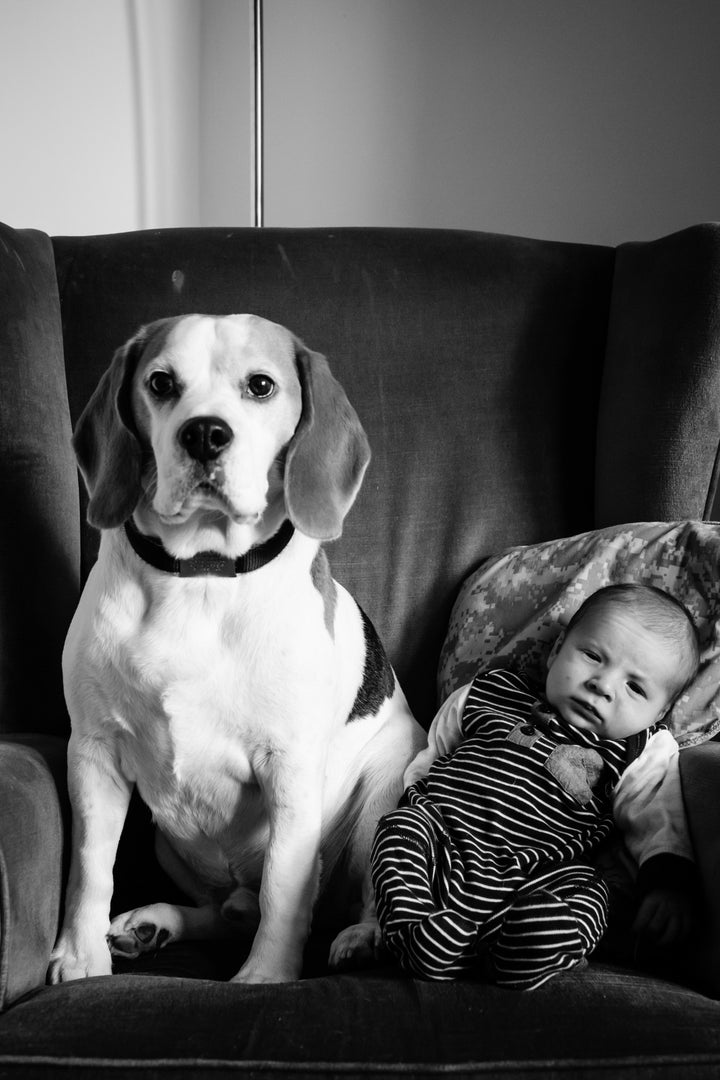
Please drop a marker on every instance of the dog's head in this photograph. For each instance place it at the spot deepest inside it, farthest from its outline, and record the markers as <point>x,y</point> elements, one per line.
<point>220,416</point>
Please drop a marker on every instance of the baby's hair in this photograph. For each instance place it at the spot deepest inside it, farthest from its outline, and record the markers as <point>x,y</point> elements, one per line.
<point>660,612</point>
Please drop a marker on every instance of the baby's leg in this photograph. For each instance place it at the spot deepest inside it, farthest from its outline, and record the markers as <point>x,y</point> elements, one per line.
<point>551,927</point>
<point>429,941</point>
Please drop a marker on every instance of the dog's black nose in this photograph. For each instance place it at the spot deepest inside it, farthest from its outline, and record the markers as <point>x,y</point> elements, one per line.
<point>205,437</point>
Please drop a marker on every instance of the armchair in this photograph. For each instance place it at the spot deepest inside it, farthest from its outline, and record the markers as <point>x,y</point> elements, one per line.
<point>513,391</point>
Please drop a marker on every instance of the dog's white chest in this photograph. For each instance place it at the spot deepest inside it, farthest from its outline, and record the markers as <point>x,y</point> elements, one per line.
<point>199,682</point>
<point>186,735</point>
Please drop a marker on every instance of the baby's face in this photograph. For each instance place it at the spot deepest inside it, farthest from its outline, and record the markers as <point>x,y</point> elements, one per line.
<point>611,675</point>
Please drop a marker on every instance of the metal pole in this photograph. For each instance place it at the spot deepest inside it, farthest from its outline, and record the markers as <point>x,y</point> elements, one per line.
<point>258,118</point>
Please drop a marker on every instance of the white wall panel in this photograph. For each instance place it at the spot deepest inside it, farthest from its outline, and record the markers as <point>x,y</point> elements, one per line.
<point>68,150</point>
<point>590,120</point>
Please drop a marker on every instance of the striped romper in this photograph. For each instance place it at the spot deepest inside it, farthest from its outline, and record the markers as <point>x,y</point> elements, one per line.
<point>479,863</point>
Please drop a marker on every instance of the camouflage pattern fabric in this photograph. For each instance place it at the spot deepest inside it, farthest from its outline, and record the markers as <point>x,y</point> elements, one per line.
<point>512,608</point>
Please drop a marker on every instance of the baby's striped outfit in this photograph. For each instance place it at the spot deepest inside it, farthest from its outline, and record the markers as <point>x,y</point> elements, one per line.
<point>482,861</point>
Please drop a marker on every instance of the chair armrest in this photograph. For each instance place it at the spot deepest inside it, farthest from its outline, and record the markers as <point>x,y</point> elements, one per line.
<point>700,778</point>
<point>31,858</point>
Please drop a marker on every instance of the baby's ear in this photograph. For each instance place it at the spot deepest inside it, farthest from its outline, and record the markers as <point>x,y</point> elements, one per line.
<point>555,649</point>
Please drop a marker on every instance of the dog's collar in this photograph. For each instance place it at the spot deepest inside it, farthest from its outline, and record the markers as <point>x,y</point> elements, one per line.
<point>207,563</point>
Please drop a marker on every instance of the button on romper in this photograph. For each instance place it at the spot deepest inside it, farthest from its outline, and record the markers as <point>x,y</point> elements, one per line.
<point>481,857</point>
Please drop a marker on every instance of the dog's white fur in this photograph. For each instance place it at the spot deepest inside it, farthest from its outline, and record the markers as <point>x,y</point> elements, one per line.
<point>227,701</point>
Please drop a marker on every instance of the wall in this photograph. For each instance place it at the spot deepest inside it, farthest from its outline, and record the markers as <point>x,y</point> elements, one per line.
<point>122,114</point>
<point>590,120</point>
<point>68,159</point>
<point>587,120</point>
<point>165,37</point>
<point>225,113</point>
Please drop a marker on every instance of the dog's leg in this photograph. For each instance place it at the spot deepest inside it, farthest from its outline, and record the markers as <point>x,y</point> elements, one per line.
<point>153,926</point>
<point>291,870</point>
<point>360,944</point>
<point>147,929</point>
<point>99,796</point>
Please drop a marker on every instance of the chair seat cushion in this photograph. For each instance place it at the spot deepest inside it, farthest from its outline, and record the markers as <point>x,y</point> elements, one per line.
<point>379,1023</point>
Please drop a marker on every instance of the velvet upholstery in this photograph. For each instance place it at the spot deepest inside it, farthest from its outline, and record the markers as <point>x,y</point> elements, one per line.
<point>605,1024</point>
<point>38,486</point>
<point>31,782</point>
<point>663,323</point>
<point>513,391</point>
<point>699,772</point>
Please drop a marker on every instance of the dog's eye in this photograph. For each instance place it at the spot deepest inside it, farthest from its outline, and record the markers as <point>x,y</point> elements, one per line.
<point>260,386</point>
<point>161,385</point>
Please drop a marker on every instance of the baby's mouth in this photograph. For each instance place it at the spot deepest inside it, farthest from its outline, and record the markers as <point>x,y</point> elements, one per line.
<point>587,709</point>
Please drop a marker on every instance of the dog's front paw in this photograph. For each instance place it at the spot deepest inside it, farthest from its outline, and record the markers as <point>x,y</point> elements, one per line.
<point>255,978</point>
<point>356,946</point>
<point>143,930</point>
<point>253,973</point>
<point>72,959</point>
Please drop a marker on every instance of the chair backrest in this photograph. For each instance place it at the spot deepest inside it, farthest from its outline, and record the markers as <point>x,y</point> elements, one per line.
<point>512,390</point>
<point>475,363</point>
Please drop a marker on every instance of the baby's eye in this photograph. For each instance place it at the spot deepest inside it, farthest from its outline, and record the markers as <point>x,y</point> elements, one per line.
<point>637,689</point>
<point>591,655</point>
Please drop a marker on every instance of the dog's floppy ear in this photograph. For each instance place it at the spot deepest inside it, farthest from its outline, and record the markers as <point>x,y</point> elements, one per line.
<point>328,453</point>
<point>106,443</point>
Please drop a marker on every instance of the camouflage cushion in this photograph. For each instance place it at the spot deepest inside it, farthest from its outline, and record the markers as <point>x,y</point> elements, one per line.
<point>511,609</point>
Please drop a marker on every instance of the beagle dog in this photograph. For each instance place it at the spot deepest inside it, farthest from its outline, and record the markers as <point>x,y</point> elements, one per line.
<point>213,661</point>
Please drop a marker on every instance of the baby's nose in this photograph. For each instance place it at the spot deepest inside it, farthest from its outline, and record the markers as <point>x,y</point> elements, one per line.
<point>601,685</point>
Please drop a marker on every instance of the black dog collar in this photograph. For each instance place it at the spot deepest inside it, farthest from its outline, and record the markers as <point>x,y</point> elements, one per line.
<point>207,563</point>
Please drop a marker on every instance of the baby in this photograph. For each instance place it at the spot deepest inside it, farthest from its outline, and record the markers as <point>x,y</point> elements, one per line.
<point>484,863</point>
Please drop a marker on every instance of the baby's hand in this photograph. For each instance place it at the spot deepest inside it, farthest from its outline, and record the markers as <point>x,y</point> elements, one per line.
<point>665,916</point>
